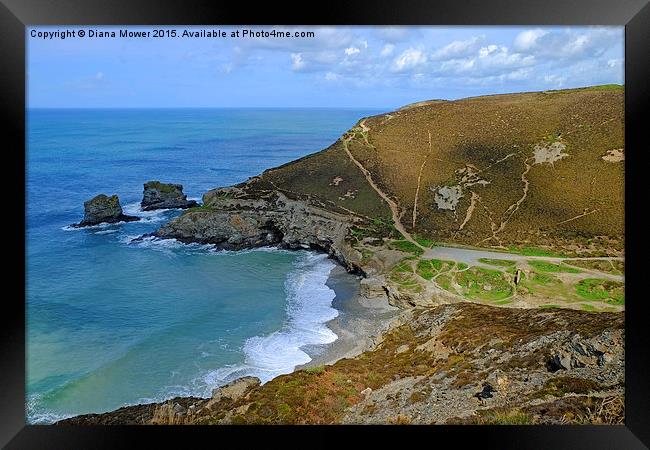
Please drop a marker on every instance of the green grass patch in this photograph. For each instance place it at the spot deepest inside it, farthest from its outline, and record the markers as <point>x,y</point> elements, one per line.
<point>506,418</point>
<point>498,262</point>
<point>316,370</point>
<point>428,268</point>
<point>544,279</point>
<point>444,281</point>
<point>406,246</point>
<point>606,87</point>
<point>615,267</point>
<point>424,242</point>
<point>484,284</point>
<point>608,291</point>
<point>403,266</point>
<point>402,275</point>
<point>545,266</point>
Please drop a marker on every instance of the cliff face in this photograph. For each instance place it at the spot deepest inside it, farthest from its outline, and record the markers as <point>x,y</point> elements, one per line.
<point>234,221</point>
<point>461,363</point>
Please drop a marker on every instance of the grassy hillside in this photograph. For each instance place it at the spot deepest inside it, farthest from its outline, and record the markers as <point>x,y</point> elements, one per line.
<point>532,169</point>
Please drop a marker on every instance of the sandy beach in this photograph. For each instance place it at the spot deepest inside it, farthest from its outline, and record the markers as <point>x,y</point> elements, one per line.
<point>360,320</point>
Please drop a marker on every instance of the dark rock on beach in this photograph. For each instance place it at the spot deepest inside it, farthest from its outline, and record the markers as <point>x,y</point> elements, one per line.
<point>104,209</point>
<point>159,195</point>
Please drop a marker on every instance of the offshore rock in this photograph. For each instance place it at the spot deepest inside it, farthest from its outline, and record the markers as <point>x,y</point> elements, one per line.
<point>159,195</point>
<point>104,209</point>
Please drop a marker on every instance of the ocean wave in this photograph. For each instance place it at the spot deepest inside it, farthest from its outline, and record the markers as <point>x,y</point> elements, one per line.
<point>171,244</point>
<point>168,246</point>
<point>309,308</point>
<point>99,226</point>
<point>106,232</point>
<point>134,209</point>
<point>37,415</point>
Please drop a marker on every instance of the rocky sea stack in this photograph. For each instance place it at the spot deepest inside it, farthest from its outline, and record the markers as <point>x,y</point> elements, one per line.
<point>104,209</point>
<point>159,195</point>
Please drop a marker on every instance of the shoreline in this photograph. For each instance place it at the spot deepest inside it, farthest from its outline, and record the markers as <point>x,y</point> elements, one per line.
<point>359,323</point>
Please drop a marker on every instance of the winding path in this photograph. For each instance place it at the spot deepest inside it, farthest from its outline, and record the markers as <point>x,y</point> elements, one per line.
<point>394,208</point>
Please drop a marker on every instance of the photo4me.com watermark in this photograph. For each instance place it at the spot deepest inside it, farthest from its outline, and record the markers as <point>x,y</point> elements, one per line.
<point>181,33</point>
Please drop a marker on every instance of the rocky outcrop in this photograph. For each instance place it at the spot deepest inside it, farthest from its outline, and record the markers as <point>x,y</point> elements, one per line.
<point>159,195</point>
<point>233,221</point>
<point>104,209</point>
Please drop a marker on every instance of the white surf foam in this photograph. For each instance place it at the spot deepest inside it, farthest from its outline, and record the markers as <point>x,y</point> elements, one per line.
<point>99,226</point>
<point>163,245</point>
<point>106,232</point>
<point>309,308</point>
<point>131,209</point>
<point>38,415</point>
<point>134,209</point>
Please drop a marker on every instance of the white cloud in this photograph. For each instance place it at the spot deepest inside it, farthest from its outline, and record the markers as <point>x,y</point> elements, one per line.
<point>484,52</point>
<point>546,56</point>
<point>297,63</point>
<point>351,51</point>
<point>568,44</point>
<point>555,80</point>
<point>387,50</point>
<point>491,60</point>
<point>613,63</point>
<point>458,49</point>
<point>458,65</point>
<point>527,40</point>
<point>409,59</point>
<point>331,76</point>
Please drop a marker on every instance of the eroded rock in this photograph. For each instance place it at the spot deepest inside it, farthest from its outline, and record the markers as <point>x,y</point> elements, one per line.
<point>159,195</point>
<point>104,209</point>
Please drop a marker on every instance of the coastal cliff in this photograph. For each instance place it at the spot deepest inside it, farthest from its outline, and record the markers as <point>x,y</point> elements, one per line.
<point>496,225</point>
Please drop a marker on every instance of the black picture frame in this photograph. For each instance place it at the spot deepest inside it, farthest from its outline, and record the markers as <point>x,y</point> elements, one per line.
<point>15,15</point>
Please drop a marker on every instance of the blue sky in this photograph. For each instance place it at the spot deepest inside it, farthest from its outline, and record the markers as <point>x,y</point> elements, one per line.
<point>382,67</point>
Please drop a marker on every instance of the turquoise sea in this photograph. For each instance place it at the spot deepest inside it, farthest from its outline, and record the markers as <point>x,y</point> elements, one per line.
<point>112,323</point>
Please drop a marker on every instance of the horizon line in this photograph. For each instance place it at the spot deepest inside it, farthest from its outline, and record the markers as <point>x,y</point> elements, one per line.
<point>621,85</point>
<point>207,107</point>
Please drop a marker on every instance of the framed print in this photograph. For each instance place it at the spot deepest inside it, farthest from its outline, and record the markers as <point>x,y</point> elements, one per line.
<point>421,218</point>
